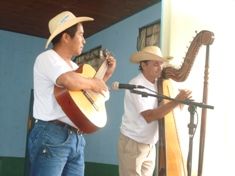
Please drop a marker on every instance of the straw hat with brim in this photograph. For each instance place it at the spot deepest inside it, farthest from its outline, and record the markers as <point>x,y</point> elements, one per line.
<point>149,53</point>
<point>63,21</point>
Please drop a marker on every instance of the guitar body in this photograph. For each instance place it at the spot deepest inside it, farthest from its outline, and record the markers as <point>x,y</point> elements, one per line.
<point>86,109</point>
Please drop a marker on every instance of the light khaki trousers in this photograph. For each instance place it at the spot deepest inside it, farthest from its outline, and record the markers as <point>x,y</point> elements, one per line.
<point>135,159</point>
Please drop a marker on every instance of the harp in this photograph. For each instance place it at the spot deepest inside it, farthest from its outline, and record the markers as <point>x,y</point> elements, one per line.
<point>169,153</point>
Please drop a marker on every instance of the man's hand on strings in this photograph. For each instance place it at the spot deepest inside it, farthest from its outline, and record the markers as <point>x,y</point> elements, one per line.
<point>183,95</point>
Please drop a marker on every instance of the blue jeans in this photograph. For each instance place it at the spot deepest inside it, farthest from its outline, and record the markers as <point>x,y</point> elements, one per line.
<point>55,151</point>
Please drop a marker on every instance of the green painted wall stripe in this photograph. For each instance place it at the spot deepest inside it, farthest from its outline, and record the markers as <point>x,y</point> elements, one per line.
<point>13,166</point>
<point>98,169</point>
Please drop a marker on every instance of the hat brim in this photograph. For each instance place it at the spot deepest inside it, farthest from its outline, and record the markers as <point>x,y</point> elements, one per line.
<point>66,26</point>
<point>143,56</point>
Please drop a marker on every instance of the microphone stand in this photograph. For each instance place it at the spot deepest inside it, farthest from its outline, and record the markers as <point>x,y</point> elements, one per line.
<point>192,109</point>
<point>192,127</point>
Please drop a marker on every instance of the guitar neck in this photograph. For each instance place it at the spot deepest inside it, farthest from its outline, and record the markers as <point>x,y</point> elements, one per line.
<point>102,70</point>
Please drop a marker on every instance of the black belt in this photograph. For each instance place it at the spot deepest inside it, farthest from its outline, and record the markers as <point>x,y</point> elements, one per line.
<point>64,125</point>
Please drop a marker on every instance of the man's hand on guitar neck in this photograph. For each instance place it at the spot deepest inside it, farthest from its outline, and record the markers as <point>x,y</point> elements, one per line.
<point>111,62</point>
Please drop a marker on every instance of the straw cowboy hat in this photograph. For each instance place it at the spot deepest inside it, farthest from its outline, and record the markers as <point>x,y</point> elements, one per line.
<point>148,53</point>
<point>63,21</point>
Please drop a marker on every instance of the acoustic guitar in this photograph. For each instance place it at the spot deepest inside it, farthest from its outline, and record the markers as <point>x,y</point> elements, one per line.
<point>86,109</point>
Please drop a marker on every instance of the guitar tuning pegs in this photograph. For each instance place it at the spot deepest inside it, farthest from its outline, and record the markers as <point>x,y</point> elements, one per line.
<point>101,53</point>
<point>104,52</point>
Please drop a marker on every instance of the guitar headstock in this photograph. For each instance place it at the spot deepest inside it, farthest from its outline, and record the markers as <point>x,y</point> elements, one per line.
<point>104,53</point>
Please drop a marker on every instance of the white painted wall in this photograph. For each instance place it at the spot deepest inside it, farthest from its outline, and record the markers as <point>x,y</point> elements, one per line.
<point>186,17</point>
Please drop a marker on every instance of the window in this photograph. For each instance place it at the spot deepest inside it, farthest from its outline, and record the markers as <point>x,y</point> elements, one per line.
<point>92,57</point>
<point>149,35</point>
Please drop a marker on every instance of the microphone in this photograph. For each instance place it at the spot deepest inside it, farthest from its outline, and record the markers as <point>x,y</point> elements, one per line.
<point>116,85</point>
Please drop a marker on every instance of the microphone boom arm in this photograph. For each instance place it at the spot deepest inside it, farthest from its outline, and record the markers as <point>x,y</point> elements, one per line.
<point>186,102</point>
